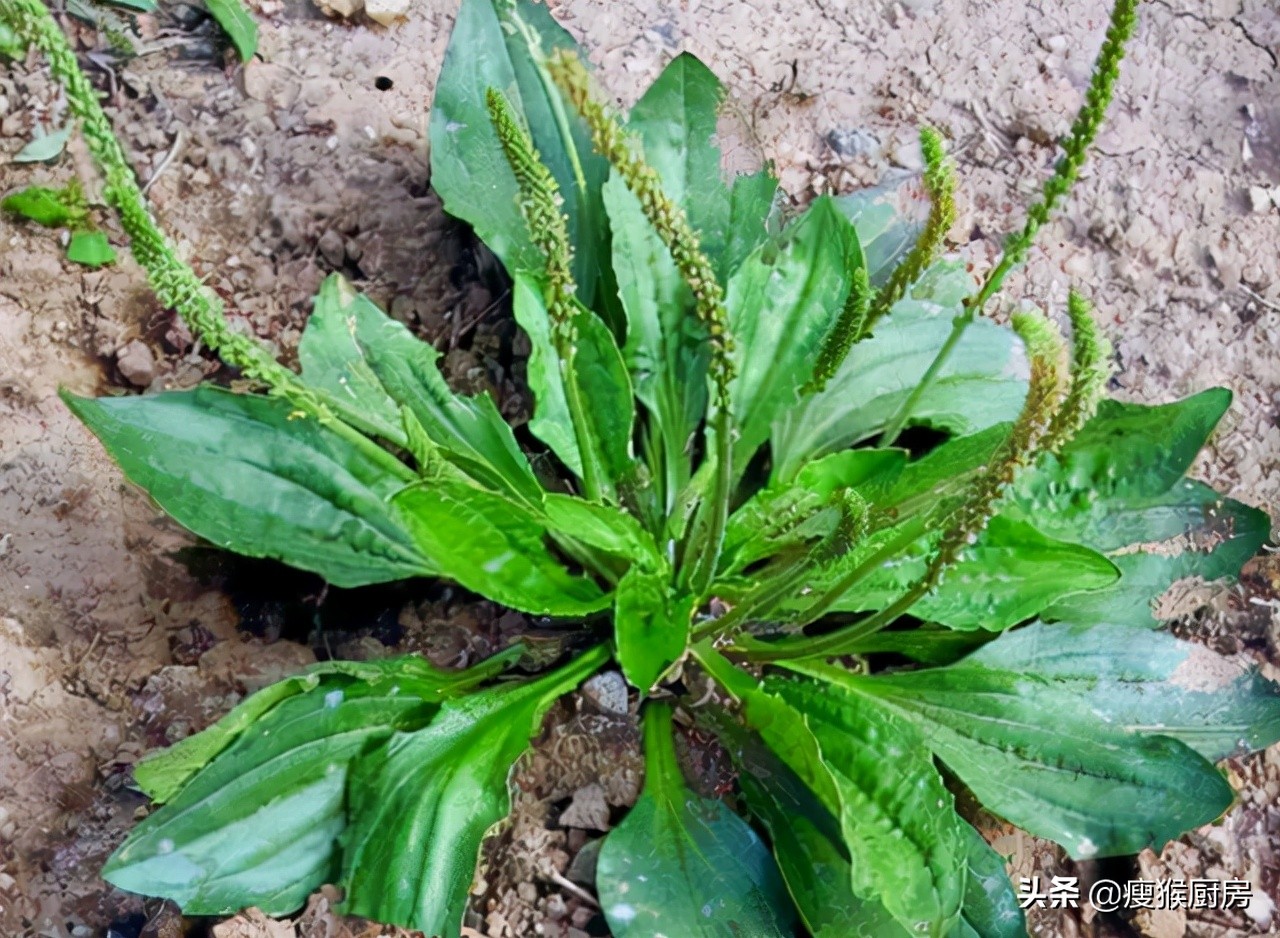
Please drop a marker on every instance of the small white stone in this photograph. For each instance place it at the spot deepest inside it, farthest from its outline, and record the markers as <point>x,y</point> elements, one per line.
<point>1259,200</point>
<point>386,12</point>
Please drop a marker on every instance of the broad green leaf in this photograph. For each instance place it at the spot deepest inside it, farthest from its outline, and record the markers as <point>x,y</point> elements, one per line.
<point>781,517</point>
<point>44,148</point>
<point>421,804</point>
<point>984,381</point>
<point>90,248</point>
<point>603,527</point>
<point>898,818</point>
<point>888,219</point>
<point>499,44</point>
<point>237,24</point>
<point>782,727</point>
<point>991,907</point>
<point>259,825</point>
<point>163,772</point>
<point>335,362</point>
<point>1125,451</point>
<point>782,302</point>
<point>601,375</point>
<point>39,204</point>
<point>1042,758</point>
<point>368,366</point>
<point>1008,576</point>
<point>1118,488</point>
<point>142,6</point>
<point>253,475</point>
<point>1190,532</point>
<point>675,120</point>
<point>494,547</point>
<point>666,348</point>
<point>11,45</point>
<point>651,624</point>
<point>754,218</point>
<point>680,864</point>
<point>1148,682</point>
<point>807,845</point>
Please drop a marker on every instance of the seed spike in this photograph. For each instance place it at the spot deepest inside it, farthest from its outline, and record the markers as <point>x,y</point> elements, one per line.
<point>1026,439</point>
<point>1091,368</point>
<point>667,218</point>
<point>541,204</point>
<point>940,183</point>
<point>850,328</point>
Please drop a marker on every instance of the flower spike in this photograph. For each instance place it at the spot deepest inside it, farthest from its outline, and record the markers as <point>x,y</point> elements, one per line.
<point>541,204</point>
<point>940,183</point>
<point>668,218</point>
<point>1025,442</point>
<point>1091,368</point>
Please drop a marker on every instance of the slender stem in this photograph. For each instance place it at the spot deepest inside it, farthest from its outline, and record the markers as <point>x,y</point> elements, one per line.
<point>174,282</point>
<point>908,406</point>
<point>661,764</point>
<point>714,513</point>
<point>575,672</point>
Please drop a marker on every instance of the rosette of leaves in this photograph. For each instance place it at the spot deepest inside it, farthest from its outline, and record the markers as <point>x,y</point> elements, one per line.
<point>873,622</point>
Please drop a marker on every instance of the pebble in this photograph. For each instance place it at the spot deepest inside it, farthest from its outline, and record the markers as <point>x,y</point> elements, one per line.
<point>386,12</point>
<point>608,691</point>
<point>136,363</point>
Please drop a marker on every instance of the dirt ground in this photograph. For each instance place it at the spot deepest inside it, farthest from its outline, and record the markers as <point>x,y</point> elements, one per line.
<point>118,633</point>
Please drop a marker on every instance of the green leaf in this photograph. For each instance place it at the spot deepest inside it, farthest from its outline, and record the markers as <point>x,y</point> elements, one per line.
<point>680,864</point>
<point>367,367</point>
<point>237,24</point>
<point>1190,533</point>
<point>1043,759</point>
<point>1118,488</point>
<point>898,819</point>
<point>40,205</point>
<point>603,527</point>
<point>887,223</point>
<point>666,349</point>
<point>163,772</point>
<point>782,301</point>
<point>676,122</point>
<point>421,804</point>
<point>494,547</point>
<point>983,383</point>
<point>500,44</point>
<point>991,908</point>
<point>90,248</point>
<point>1148,682</point>
<point>11,45</point>
<point>142,6</point>
<point>754,218</point>
<point>44,148</point>
<point>651,625</point>
<point>602,379</point>
<point>255,476</point>
<point>1008,576</point>
<point>781,517</point>
<point>259,824</point>
<point>807,845</point>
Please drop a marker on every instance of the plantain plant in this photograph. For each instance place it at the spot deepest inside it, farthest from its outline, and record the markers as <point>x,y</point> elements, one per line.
<point>748,523</point>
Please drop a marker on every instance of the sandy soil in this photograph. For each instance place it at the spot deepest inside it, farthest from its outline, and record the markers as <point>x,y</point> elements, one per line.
<point>115,636</point>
